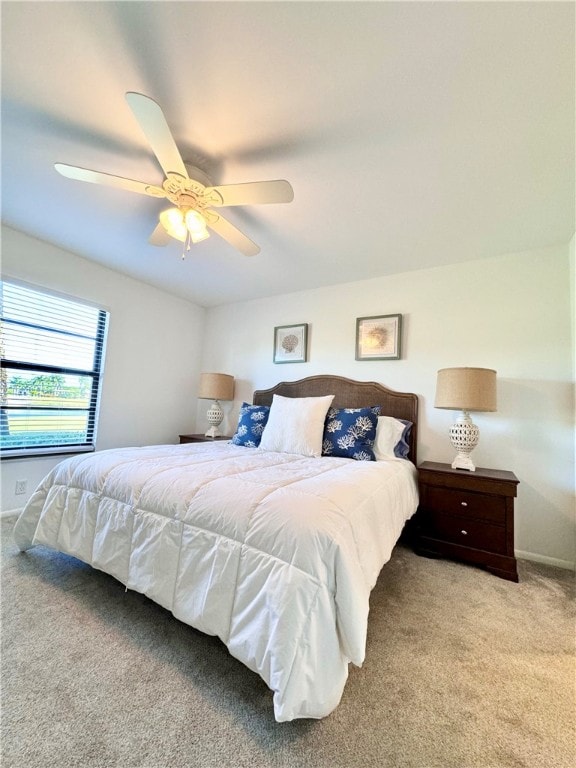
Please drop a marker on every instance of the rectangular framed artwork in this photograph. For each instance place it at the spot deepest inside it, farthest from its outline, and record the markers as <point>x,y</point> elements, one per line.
<point>291,343</point>
<point>379,337</point>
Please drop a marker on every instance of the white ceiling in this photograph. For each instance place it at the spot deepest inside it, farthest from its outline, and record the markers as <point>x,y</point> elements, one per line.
<point>414,134</point>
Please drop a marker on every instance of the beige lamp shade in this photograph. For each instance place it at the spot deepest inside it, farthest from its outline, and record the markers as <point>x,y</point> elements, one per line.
<point>216,386</point>
<point>466,389</point>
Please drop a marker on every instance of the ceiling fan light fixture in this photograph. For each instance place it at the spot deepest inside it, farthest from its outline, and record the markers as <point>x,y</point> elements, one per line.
<point>180,224</point>
<point>196,226</point>
<point>172,220</point>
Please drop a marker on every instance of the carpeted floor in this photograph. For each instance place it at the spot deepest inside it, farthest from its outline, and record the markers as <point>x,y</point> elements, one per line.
<point>463,670</point>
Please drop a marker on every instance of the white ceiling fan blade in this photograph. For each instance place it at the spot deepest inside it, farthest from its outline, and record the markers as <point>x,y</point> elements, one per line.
<point>251,193</point>
<point>233,235</point>
<point>159,237</point>
<point>153,123</point>
<point>95,177</point>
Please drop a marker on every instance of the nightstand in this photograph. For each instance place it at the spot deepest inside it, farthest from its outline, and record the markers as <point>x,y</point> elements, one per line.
<point>468,516</point>
<point>201,438</point>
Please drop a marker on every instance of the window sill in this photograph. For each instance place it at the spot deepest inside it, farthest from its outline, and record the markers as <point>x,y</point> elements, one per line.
<point>37,453</point>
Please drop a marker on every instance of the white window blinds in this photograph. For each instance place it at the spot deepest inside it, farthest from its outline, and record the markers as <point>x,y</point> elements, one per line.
<point>52,351</point>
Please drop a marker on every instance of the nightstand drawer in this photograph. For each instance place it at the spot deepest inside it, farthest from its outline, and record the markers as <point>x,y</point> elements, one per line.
<point>461,502</point>
<point>467,532</point>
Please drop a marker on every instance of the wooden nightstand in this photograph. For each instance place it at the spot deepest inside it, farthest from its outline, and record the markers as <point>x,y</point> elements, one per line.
<point>468,516</point>
<point>201,438</point>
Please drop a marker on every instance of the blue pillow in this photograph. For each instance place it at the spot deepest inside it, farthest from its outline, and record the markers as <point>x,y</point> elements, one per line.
<point>402,449</point>
<point>350,432</point>
<point>251,422</point>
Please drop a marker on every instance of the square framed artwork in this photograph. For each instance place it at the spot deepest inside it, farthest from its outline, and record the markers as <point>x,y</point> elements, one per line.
<point>379,337</point>
<point>291,343</point>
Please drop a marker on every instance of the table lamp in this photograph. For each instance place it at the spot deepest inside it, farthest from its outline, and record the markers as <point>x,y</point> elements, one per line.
<point>465,389</point>
<point>215,387</point>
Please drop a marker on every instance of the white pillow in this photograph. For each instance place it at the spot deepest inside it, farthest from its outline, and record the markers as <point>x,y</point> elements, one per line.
<point>296,425</point>
<point>388,432</point>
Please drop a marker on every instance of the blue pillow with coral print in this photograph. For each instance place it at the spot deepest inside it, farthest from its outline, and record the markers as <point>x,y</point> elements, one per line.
<point>251,422</point>
<point>349,433</point>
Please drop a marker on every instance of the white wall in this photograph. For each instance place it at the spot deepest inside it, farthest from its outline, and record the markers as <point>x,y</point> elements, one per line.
<point>512,313</point>
<point>152,364</point>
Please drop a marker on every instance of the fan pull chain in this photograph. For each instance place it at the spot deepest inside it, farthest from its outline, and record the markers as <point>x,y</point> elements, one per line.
<point>187,245</point>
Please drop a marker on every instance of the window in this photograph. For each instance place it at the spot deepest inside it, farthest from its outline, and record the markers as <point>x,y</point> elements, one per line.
<point>52,351</point>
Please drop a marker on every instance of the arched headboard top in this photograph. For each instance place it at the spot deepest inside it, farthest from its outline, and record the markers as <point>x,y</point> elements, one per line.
<point>350,394</point>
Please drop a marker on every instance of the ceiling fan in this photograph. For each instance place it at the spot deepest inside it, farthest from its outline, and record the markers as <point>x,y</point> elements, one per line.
<point>189,189</point>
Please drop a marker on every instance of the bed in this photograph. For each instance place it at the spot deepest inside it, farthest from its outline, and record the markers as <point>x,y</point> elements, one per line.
<point>274,552</point>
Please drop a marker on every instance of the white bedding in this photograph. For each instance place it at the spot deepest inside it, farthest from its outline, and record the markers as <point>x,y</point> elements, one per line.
<point>274,553</point>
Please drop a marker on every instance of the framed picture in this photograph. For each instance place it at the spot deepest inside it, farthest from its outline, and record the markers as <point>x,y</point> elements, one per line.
<point>291,343</point>
<point>379,338</point>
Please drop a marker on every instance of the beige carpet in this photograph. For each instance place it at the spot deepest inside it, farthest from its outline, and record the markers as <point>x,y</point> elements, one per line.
<point>463,670</point>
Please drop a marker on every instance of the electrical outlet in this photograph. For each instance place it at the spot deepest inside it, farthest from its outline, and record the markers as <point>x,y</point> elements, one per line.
<point>20,487</point>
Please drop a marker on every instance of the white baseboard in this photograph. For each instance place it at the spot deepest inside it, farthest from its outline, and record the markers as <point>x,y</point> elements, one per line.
<point>566,564</point>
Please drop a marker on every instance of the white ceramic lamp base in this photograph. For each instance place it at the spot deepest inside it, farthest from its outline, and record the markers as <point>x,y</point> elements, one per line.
<point>215,416</point>
<point>464,435</point>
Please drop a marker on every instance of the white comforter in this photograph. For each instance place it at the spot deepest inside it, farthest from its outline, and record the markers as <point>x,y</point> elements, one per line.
<point>274,553</point>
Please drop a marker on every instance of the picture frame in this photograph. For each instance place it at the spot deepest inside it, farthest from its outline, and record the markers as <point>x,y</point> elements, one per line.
<point>291,343</point>
<point>379,337</point>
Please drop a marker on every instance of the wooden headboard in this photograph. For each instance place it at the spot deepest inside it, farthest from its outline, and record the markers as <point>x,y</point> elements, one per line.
<point>350,394</point>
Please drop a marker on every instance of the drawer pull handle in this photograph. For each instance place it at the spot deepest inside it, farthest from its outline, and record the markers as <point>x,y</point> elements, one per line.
<point>464,503</point>
<point>464,533</point>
